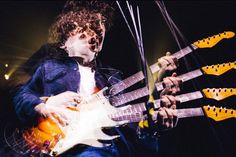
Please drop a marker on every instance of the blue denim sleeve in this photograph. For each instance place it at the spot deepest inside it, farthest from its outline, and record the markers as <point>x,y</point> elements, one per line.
<point>28,96</point>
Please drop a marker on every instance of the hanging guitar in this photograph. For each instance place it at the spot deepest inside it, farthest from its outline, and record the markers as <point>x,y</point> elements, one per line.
<point>87,120</point>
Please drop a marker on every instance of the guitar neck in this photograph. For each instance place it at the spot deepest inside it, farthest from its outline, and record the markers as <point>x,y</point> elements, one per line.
<point>204,43</point>
<point>184,77</point>
<point>141,92</point>
<point>139,75</point>
<point>190,112</point>
<point>182,98</point>
<point>134,113</point>
<point>207,70</point>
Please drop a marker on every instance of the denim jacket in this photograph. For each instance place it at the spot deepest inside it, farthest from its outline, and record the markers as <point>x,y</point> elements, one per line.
<point>52,77</point>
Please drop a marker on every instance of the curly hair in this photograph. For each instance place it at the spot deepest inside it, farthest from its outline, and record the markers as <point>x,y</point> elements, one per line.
<point>80,14</point>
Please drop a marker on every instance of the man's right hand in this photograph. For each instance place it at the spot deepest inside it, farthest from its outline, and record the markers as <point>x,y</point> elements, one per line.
<point>55,106</point>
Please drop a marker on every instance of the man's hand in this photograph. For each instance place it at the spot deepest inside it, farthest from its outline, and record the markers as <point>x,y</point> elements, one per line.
<point>166,116</point>
<point>168,101</point>
<point>172,85</point>
<point>65,99</point>
<point>55,106</point>
<point>168,62</point>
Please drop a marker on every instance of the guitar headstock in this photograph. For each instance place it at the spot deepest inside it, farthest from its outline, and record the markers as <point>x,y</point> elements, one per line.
<point>219,114</point>
<point>219,93</point>
<point>219,68</point>
<point>213,40</point>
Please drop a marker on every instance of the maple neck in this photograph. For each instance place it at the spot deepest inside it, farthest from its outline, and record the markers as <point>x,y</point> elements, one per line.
<point>120,86</point>
<point>135,113</point>
<point>141,92</point>
<point>190,75</point>
<point>182,98</point>
<point>204,43</point>
<point>181,53</point>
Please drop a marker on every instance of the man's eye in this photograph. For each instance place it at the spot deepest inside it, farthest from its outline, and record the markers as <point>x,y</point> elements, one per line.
<point>92,41</point>
<point>82,36</point>
<point>103,21</point>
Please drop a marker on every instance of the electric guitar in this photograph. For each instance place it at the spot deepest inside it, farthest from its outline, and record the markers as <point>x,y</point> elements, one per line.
<point>204,43</point>
<point>95,112</point>
<point>217,70</point>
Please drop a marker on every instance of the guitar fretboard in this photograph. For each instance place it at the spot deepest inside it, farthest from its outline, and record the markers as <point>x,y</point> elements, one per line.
<point>139,93</point>
<point>139,75</point>
<point>134,113</point>
<point>182,98</point>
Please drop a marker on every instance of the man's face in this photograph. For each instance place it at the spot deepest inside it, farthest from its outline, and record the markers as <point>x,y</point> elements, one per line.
<point>85,43</point>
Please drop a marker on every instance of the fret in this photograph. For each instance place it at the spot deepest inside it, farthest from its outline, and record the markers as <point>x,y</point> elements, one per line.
<point>155,67</point>
<point>142,107</point>
<point>126,83</point>
<point>120,86</point>
<point>181,113</point>
<point>129,114</point>
<point>159,86</point>
<point>134,108</point>
<point>129,96</point>
<point>179,54</point>
<point>190,112</point>
<point>190,75</point>
<point>157,103</point>
<point>137,115</point>
<point>119,116</point>
<point>189,96</point>
<point>139,75</point>
<point>141,92</point>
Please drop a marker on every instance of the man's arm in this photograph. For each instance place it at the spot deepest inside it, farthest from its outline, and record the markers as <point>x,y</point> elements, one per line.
<point>28,96</point>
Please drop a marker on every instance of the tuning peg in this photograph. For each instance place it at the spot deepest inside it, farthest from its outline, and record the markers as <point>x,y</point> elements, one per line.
<point>220,109</point>
<point>208,107</point>
<point>214,108</point>
<point>225,110</point>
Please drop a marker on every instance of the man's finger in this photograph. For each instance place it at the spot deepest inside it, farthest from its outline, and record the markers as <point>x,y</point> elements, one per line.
<point>168,53</point>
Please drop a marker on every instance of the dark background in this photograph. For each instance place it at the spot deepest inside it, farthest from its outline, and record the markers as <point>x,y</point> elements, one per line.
<point>23,29</point>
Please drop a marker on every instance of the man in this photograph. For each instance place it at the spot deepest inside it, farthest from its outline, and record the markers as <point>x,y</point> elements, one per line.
<point>71,76</point>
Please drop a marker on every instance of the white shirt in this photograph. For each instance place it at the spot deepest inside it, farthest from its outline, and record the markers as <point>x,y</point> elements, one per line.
<point>87,80</point>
